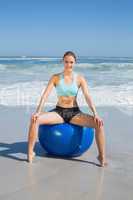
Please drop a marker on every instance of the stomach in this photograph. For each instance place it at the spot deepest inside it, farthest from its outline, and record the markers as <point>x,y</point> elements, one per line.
<point>67,102</point>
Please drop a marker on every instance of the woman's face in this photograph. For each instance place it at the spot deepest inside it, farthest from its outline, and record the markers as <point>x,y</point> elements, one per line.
<point>69,62</point>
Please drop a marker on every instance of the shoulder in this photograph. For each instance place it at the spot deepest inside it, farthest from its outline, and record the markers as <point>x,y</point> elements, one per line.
<point>55,78</point>
<point>81,78</point>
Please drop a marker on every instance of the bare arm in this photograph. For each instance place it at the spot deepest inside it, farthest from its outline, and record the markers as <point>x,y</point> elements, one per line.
<point>46,93</point>
<point>86,92</point>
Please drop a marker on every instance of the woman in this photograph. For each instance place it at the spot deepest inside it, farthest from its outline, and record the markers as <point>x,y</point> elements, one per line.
<point>67,84</point>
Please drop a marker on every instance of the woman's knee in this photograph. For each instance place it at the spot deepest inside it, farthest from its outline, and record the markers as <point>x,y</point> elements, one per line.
<point>98,125</point>
<point>34,120</point>
<point>41,119</point>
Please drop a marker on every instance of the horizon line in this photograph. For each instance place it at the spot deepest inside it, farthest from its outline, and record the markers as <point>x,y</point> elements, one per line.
<point>26,56</point>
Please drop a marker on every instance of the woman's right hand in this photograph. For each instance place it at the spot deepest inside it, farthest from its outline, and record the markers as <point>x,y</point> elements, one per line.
<point>98,120</point>
<point>35,116</point>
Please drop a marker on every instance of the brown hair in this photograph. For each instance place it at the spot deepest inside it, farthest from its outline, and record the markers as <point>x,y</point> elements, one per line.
<point>69,53</point>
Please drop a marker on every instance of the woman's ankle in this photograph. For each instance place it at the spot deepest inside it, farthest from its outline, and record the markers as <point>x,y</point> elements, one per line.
<point>30,151</point>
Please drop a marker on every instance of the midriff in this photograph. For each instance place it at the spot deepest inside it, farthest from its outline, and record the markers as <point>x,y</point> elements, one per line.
<point>67,102</point>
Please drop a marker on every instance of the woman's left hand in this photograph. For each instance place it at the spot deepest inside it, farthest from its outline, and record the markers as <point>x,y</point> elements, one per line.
<point>98,120</point>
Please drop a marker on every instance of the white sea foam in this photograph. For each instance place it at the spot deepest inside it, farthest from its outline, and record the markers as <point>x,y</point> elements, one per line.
<point>110,80</point>
<point>29,58</point>
<point>108,65</point>
<point>9,66</point>
<point>45,59</point>
<point>14,58</point>
<point>29,93</point>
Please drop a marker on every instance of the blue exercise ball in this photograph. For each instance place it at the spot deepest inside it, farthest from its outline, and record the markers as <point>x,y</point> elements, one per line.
<point>65,139</point>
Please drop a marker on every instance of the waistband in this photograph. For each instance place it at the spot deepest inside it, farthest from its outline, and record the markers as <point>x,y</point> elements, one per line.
<point>72,108</point>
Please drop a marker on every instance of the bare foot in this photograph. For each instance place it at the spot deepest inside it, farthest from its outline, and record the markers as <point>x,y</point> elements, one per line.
<point>31,156</point>
<point>102,161</point>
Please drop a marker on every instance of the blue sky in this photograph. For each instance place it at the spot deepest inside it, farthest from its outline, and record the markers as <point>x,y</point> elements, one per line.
<point>89,28</point>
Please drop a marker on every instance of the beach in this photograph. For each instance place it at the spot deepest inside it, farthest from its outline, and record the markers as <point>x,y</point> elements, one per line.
<point>91,43</point>
<point>58,178</point>
<point>22,81</point>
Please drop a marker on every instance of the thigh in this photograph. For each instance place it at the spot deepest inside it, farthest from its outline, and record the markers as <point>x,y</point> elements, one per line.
<point>83,119</point>
<point>50,118</point>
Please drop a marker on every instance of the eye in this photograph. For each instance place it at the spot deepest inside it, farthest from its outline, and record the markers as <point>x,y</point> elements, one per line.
<point>68,62</point>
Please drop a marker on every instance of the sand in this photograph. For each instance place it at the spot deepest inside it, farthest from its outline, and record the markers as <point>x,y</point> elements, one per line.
<point>57,178</point>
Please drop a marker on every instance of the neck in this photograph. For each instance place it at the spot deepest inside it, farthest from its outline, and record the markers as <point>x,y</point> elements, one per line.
<point>67,73</point>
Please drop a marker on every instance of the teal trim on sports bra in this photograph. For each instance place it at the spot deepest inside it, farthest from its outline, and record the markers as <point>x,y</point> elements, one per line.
<point>64,89</point>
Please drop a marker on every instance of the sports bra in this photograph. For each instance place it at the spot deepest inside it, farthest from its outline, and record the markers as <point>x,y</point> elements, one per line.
<point>64,89</point>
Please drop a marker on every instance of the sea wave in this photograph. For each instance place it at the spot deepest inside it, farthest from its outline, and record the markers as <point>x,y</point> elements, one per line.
<point>29,93</point>
<point>29,58</point>
<point>107,66</point>
<point>36,64</point>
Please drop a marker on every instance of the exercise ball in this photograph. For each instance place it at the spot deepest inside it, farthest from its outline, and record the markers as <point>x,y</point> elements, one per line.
<point>65,139</point>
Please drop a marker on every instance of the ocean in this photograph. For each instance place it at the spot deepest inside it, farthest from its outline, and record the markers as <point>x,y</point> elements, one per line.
<point>110,80</point>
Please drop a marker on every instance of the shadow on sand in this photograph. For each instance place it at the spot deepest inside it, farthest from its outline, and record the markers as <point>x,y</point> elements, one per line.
<point>10,149</point>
